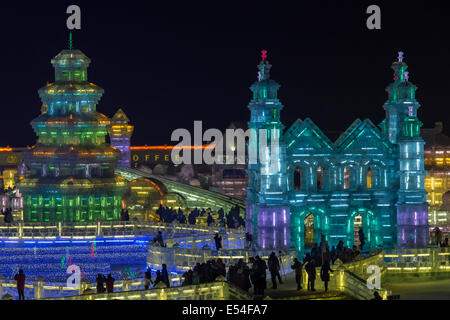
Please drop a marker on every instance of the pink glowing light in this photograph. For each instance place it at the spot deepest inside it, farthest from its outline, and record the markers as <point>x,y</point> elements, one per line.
<point>264,55</point>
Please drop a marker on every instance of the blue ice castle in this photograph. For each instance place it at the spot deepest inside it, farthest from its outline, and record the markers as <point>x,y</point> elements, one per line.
<point>371,177</point>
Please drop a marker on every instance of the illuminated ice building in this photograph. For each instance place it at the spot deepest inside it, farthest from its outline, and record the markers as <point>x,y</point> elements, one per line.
<point>71,166</point>
<point>371,177</point>
<point>120,135</point>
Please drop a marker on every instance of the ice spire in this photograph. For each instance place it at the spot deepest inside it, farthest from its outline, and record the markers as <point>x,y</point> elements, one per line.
<point>264,67</point>
<point>70,40</point>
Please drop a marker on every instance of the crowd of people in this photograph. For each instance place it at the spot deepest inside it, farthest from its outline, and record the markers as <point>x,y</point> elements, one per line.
<point>254,273</point>
<point>230,220</point>
<point>162,278</point>
<point>322,256</point>
<point>322,253</point>
<point>241,274</point>
<point>204,272</point>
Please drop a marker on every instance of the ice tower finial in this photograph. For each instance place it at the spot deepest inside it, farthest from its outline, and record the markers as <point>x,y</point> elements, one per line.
<point>400,56</point>
<point>264,67</point>
<point>264,55</point>
<point>70,40</point>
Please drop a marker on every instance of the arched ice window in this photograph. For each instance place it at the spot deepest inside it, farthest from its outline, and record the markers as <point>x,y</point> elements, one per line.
<point>298,178</point>
<point>369,178</point>
<point>347,177</point>
<point>319,178</point>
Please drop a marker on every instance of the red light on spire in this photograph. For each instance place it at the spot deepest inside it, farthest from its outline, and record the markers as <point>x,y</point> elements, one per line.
<point>264,55</point>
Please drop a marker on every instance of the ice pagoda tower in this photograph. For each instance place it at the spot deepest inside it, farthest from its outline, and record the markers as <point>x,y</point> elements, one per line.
<point>72,167</point>
<point>267,202</point>
<point>403,129</point>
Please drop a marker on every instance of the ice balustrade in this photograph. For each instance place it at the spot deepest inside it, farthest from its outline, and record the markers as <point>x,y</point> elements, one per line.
<point>401,261</point>
<point>183,259</point>
<point>350,278</point>
<point>355,287</point>
<point>229,241</point>
<point>217,290</point>
<point>347,278</point>
<point>428,260</point>
<point>359,267</point>
<point>345,282</point>
<point>21,230</point>
<point>45,289</point>
<point>341,281</point>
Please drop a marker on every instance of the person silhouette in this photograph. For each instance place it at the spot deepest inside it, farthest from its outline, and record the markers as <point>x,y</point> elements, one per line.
<point>20,279</point>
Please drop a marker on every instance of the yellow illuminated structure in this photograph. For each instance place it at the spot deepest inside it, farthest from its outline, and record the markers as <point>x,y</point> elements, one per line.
<point>9,178</point>
<point>437,164</point>
<point>437,184</point>
<point>120,134</point>
<point>437,180</point>
<point>146,195</point>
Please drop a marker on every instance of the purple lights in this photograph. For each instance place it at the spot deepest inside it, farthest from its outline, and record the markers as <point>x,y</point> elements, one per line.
<point>412,224</point>
<point>412,215</point>
<point>273,226</point>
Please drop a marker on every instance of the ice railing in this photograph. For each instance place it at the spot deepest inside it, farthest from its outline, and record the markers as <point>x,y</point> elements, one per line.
<point>341,280</point>
<point>217,290</point>
<point>429,260</point>
<point>351,278</point>
<point>127,289</point>
<point>42,230</point>
<point>391,261</point>
<point>183,259</point>
<point>52,290</point>
<point>183,253</point>
<point>355,287</point>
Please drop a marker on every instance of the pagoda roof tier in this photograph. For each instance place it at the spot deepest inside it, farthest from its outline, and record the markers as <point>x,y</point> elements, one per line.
<point>74,185</point>
<point>72,119</point>
<point>71,57</point>
<point>70,88</point>
<point>120,117</point>
<point>104,152</point>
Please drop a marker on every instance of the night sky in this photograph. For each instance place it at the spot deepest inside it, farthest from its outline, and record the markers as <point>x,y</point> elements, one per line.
<point>169,63</point>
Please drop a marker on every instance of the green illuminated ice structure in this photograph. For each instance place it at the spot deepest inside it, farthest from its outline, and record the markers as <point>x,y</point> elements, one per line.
<point>268,208</point>
<point>71,166</point>
<point>370,178</point>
